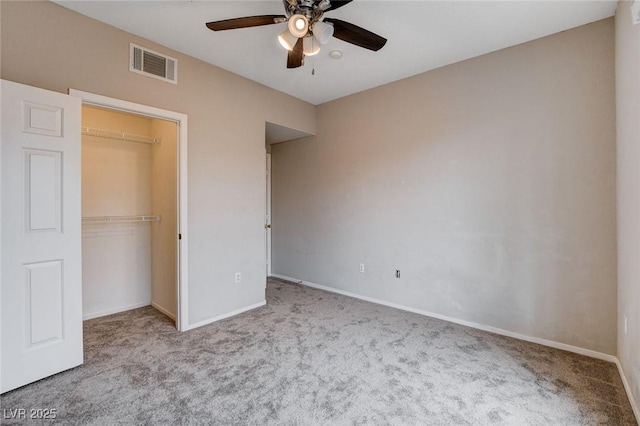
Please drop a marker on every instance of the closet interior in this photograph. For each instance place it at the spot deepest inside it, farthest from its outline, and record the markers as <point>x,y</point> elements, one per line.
<point>129,212</point>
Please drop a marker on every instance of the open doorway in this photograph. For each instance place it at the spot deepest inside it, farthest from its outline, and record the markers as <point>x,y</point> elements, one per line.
<point>274,133</point>
<point>133,208</point>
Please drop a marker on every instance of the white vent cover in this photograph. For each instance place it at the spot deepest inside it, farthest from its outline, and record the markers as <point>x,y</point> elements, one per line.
<point>153,64</point>
<point>635,12</point>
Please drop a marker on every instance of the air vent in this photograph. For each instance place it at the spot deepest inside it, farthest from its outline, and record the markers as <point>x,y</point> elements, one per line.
<point>635,12</point>
<point>153,64</point>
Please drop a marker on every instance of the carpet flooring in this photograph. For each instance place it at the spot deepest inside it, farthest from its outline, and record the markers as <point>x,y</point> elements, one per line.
<point>315,358</point>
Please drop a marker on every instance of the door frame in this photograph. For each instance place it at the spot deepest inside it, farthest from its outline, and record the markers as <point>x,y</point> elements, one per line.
<point>268,221</point>
<point>182,314</point>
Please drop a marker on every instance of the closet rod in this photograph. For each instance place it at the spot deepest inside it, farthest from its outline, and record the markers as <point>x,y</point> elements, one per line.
<point>95,220</point>
<point>101,133</point>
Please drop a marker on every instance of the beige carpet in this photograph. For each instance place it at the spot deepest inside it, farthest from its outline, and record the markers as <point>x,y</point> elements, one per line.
<point>316,358</point>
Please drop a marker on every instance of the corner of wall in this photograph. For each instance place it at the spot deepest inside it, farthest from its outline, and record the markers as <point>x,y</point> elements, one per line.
<point>627,54</point>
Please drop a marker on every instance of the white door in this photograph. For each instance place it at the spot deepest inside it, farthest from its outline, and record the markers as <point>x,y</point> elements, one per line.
<point>41,287</point>
<point>267,222</point>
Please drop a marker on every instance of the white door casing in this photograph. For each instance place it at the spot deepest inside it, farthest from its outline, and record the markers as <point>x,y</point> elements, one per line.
<point>182,272</point>
<point>41,287</point>
<point>268,216</point>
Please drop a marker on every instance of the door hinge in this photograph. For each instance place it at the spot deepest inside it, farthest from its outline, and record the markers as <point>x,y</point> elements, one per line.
<point>179,236</point>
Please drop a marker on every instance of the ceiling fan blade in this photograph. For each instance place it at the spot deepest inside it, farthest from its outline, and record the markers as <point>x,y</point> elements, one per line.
<point>355,35</point>
<point>295,58</point>
<point>337,4</point>
<point>249,21</point>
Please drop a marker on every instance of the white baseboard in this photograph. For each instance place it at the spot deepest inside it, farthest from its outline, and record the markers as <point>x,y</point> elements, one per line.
<point>224,316</point>
<point>544,342</point>
<point>627,388</point>
<point>114,311</point>
<point>163,310</point>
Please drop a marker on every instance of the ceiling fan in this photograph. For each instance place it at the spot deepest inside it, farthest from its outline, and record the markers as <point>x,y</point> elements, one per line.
<point>306,28</point>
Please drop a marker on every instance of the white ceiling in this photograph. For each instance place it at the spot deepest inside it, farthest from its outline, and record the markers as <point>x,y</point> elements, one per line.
<point>422,35</point>
<point>276,133</point>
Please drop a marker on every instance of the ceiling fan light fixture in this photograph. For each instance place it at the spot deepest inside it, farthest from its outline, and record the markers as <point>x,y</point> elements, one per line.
<point>322,32</point>
<point>287,40</point>
<point>310,46</point>
<point>298,25</point>
<point>306,29</point>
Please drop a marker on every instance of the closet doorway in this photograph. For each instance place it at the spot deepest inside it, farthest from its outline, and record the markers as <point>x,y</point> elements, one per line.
<point>133,188</point>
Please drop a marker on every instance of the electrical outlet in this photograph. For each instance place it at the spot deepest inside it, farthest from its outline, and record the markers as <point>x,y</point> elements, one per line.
<point>397,273</point>
<point>625,325</point>
<point>238,277</point>
<point>361,269</point>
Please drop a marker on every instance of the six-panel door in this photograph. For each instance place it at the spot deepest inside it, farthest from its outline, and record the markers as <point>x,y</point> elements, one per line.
<point>41,286</point>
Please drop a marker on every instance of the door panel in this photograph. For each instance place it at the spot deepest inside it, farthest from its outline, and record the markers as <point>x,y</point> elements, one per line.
<point>44,285</point>
<point>43,196</point>
<point>42,119</point>
<point>41,289</point>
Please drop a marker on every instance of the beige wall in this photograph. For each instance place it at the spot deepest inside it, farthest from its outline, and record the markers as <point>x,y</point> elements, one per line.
<point>47,46</point>
<point>164,234</point>
<point>628,132</point>
<point>489,183</point>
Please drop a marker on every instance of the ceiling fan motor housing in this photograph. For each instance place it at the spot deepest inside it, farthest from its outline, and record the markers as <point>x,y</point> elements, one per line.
<point>311,9</point>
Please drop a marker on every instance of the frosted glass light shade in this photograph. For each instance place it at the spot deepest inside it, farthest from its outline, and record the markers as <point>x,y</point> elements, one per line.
<point>287,40</point>
<point>298,25</point>
<point>322,32</point>
<point>310,46</point>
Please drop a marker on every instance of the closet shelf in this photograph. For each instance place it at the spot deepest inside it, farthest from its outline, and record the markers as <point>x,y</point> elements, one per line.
<point>97,220</point>
<point>101,133</point>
